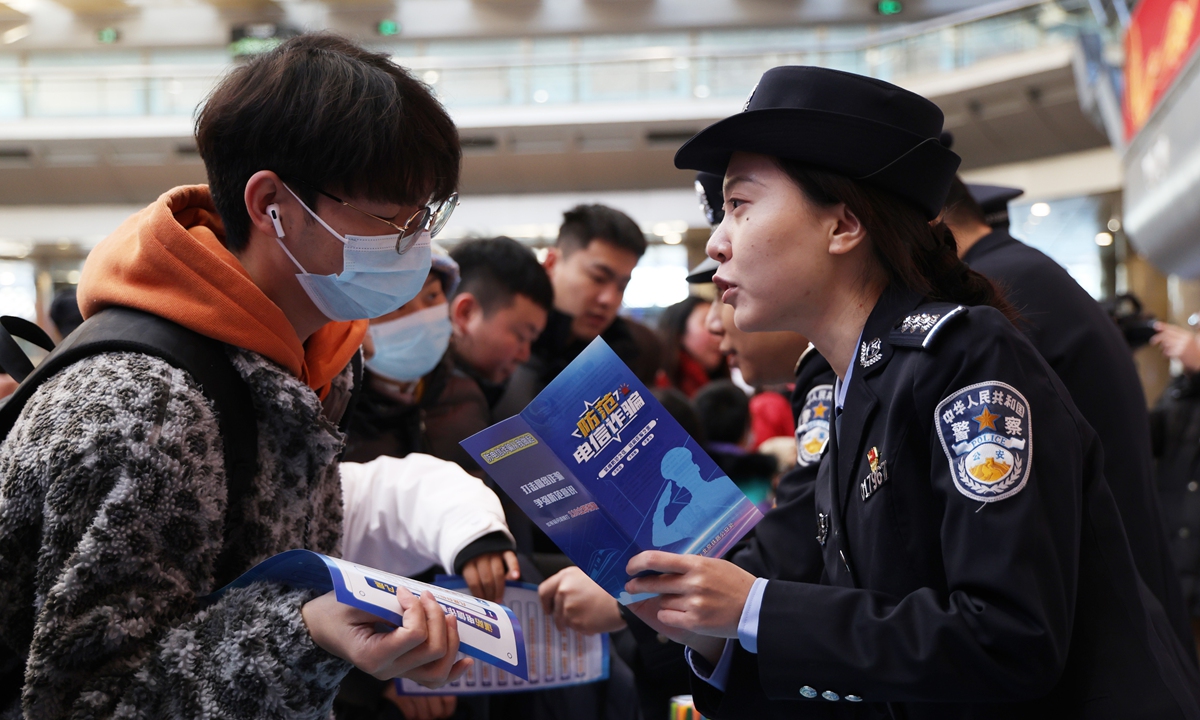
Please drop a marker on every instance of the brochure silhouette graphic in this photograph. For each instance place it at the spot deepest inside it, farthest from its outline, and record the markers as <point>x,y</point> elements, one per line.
<point>606,472</point>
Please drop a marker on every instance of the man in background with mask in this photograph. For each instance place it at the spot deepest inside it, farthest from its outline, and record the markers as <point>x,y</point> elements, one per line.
<point>407,374</point>
<point>422,517</point>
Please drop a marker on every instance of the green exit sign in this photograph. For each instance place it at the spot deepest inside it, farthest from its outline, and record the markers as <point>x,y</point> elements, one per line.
<point>890,7</point>
<point>108,35</point>
<point>387,28</point>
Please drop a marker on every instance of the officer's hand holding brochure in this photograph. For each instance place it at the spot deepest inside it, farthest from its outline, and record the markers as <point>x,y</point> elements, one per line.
<point>486,630</point>
<point>606,472</point>
<point>556,659</point>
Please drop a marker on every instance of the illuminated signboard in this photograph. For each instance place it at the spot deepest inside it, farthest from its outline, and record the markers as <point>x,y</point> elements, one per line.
<point>1162,37</point>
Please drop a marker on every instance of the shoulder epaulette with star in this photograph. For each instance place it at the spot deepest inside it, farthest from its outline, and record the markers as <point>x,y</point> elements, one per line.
<point>921,327</point>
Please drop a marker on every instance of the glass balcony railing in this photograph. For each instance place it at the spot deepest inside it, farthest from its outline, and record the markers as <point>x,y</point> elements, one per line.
<point>671,67</point>
<point>726,65</point>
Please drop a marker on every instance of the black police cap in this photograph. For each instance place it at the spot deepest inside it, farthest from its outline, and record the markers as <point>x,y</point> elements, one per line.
<point>710,192</point>
<point>860,127</point>
<point>993,201</point>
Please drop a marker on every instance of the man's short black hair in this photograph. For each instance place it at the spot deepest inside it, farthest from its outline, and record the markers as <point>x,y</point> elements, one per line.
<point>584,223</point>
<point>724,411</point>
<point>498,269</point>
<point>323,113</point>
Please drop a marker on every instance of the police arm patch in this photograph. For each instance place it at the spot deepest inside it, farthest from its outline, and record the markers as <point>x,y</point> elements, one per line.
<point>987,434</point>
<point>812,431</point>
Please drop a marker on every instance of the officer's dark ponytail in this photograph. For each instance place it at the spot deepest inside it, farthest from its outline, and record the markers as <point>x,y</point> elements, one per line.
<point>915,253</point>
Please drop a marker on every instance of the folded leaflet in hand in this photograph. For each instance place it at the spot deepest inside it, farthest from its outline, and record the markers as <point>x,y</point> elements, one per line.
<point>606,472</point>
<point>487,631</point>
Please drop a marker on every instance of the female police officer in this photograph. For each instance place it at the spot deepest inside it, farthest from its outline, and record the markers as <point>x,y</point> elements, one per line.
<point>974,563</point>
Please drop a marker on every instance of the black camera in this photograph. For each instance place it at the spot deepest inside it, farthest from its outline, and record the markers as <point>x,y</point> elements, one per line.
<point>1136,325</point>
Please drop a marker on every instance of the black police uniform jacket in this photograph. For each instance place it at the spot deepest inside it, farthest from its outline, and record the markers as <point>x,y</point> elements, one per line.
<point>951,588</point>
<point>1175,430</point>
<point>783,545</point>
<point>1083,345</point>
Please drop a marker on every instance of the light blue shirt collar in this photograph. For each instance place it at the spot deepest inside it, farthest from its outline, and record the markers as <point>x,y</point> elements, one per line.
<point>839,385</point>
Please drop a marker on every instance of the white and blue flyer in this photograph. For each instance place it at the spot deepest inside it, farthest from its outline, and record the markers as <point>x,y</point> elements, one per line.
<point>607,473</point>
<point>556,659</point>
<point>487,631</point>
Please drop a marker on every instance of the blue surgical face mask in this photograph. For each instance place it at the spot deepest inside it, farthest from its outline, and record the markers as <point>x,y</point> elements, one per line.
<point>409,347</point>
<point>375,279</point>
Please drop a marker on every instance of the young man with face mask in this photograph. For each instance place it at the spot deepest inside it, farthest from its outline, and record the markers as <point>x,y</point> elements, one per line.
<point>329,170</point>
<point>423,516</point>
<point>424,395</point>
<point>437,368</point>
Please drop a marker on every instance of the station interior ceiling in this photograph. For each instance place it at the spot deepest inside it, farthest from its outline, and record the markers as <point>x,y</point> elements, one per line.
<point>94,122</point>
<point>560,102</point>
<point>557,101</point>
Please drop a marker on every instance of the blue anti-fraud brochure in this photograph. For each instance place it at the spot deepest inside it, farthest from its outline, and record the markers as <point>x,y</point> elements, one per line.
<point>487,631</point>
<point>606,472</point>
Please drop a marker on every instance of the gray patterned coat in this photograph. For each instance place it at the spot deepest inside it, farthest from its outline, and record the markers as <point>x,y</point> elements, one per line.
<point>112,511</point>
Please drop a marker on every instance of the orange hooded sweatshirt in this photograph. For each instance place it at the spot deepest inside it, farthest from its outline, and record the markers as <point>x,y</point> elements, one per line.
<point>169,260</point>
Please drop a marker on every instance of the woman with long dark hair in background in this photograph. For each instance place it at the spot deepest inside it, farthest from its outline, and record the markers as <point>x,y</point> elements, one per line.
<point>691,353</point>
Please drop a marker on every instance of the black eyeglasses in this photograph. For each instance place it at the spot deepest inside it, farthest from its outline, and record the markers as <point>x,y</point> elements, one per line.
<point>433,216</point>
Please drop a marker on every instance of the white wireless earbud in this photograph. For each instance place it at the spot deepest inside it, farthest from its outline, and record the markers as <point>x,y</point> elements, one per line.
<point>273,211</point>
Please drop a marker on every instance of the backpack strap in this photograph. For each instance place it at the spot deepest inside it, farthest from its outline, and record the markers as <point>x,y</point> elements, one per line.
<point>356,371</point>
<point>119,329</point>
<point>13,359</point>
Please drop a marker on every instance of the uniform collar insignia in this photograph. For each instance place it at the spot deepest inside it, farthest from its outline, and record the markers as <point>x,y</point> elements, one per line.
<point>870,353</point>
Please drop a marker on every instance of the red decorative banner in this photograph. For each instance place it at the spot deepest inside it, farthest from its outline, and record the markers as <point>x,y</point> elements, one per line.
<point>1162,36</point>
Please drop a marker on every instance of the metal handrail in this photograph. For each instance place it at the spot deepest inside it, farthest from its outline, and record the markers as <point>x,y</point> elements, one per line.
<point>866,42</point>
<point>648,54</point>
